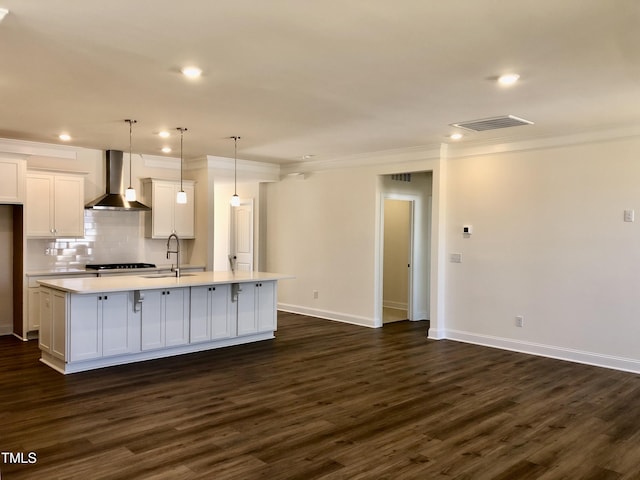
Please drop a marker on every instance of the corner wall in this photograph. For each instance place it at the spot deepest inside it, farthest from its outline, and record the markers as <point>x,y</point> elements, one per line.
<point>549,243</point>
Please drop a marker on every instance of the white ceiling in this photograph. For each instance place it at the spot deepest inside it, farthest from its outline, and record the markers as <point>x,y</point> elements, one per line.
<point>330,78</point>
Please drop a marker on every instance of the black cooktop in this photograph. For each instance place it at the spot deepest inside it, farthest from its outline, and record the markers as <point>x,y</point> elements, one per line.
<point>118,266</point>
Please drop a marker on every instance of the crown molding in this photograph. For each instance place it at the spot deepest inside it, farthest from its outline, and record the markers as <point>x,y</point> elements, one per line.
<point>24,147</point>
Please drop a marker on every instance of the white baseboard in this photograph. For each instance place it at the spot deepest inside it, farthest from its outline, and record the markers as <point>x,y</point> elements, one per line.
<point>551,351</point>
<point>395,305</point>
<point>6,329</point>
<point>328,315</point>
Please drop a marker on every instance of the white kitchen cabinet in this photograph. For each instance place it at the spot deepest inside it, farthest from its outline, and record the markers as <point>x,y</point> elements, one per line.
<point>167,216</point>
<point>99,326</point>
<point>32,308</point>
<point>210,317</point>
<point>53,336</point>
<point>257,307</point>
<point>54,205</point>
<point>165,318</point>
<point>12,180</point>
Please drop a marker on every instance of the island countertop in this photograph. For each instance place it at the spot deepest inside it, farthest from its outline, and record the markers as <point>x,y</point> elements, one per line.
<point>149,281</point>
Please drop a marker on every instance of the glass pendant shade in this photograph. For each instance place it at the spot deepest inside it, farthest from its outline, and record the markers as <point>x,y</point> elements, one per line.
<point>181,196</point>
<point>235,199</point>
<point>130,194</point>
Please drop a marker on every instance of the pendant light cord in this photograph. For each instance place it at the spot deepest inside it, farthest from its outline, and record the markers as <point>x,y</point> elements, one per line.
<point>235,164</point>
<point>130,122</point>
<point>182,130</point>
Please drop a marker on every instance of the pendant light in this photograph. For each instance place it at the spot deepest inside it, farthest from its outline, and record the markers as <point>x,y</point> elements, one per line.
<point>235,199</point>
<point>181,197</point>
<point>130,193</point>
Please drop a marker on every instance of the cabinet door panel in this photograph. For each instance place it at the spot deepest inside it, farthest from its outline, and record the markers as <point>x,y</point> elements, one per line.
<point>266,306</point>
<point>221,319</point>
<point>176,317</point>
<point>164,201</point>
<point>152,334</point>
<point>68,218</point>
<point>247,319</point>
<point>46,318</point>
<point>58,326</point>
<point>200,325</point>
<point>39,206</point>
<point>184,214</point>
<point>85,328</point>
<point>115,324</point>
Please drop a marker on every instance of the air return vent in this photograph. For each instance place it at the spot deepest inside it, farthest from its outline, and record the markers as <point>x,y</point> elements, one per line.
<point>492,123</point>
<point>401,177</point>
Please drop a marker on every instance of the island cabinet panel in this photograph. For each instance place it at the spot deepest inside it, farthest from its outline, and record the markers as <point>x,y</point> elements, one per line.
<point>210,313</point>
<point>165,318</point>
<point>256,307</point>
<point>53,308</point>
<point>99,326</point>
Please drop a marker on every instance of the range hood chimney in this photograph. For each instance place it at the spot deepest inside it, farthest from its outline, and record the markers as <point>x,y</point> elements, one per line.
<point>114,198</point>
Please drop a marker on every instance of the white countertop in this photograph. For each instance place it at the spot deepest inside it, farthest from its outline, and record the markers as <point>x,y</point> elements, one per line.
<point>142,281</point>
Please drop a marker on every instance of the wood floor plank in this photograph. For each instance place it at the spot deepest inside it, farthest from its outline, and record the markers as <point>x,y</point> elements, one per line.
<point>323,400</point>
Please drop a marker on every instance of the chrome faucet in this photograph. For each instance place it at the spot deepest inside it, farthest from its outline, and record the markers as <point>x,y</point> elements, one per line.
<point>176,251</point>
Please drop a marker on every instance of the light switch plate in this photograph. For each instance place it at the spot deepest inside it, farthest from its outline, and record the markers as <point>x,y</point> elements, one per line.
<point>629,215</point>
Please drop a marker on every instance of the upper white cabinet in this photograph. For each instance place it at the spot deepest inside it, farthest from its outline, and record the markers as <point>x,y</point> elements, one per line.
<point>54,205</point>
<point>167,216</point>
<point>12,180</point>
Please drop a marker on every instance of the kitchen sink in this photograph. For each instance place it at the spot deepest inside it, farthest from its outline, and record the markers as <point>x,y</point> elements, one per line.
<point>166,275</point>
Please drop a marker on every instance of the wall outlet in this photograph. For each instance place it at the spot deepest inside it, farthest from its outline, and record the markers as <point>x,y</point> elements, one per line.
<point>519,321</point>
<point>315,294</point>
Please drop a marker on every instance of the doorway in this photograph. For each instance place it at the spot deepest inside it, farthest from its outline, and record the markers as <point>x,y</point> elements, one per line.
<point>414,190</point>
<point>241,237</point>
<point>397,260</point>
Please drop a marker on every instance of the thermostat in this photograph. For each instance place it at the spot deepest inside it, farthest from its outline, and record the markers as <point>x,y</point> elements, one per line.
<point>467,230</point>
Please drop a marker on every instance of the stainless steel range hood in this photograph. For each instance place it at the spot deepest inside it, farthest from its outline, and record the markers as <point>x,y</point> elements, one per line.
<point>114,198</point>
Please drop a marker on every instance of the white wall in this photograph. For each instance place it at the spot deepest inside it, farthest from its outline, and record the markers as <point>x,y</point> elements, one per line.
<point>325,229</point>
<point>548,243</point>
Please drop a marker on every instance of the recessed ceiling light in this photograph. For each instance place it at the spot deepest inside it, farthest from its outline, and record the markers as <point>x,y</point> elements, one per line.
<point>163,134</point>
<point>3,13</point>
<point>307,157</point>
<point>166,149</point>
<point>455,136</point>
<point>65,137</point>
<point>191,72</point>
<point>508,79</point>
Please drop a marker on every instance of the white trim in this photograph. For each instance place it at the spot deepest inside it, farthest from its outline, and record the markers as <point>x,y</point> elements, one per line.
<point>223,167</point>
<point>329,315</point>
<point>74,367</point>
<point>395,305</point>
<point>495,146</point>
<point>23,147</point>
<point>550,351</point>
<point>383,158</point>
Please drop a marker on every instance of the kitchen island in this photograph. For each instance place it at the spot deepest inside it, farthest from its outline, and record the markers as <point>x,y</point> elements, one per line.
<point>89,323</point>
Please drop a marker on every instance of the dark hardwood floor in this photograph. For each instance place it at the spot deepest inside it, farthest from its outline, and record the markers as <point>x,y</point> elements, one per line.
<point>324,400</point>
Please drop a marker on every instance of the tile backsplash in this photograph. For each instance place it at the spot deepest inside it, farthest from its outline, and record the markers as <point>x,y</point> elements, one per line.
<point>110,237</point>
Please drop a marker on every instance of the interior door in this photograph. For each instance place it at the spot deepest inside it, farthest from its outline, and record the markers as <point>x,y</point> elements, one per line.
<point>241,242</point>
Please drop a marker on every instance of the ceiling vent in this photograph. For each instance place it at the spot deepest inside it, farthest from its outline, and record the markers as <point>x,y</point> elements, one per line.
<point>492,123</point>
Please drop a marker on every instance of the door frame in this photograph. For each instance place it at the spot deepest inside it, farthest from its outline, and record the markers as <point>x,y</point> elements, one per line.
<point>232,231</point>
<point>412,199</point>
